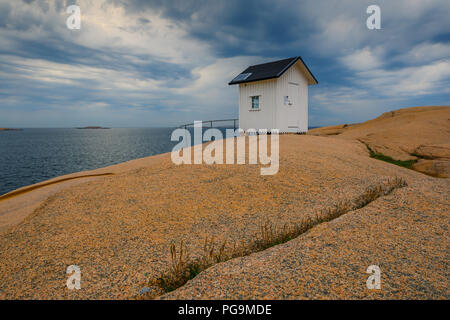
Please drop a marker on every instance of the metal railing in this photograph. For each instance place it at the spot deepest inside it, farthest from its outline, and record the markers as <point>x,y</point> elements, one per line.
<point>211,123</point>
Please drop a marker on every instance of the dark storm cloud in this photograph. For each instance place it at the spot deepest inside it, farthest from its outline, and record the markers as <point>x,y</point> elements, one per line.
<point>235,27</point>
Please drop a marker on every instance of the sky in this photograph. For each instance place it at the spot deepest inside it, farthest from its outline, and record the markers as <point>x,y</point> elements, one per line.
<point>148,63</point>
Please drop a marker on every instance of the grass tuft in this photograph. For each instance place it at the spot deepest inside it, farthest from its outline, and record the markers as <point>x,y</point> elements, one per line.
<point>402,163</point>
<point>379,156</point>
<point>268,235</point>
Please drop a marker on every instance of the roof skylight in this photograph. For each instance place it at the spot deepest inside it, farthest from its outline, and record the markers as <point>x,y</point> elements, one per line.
<point>242,77</point>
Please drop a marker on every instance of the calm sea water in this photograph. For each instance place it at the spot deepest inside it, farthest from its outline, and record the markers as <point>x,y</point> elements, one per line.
<point>35,155</point>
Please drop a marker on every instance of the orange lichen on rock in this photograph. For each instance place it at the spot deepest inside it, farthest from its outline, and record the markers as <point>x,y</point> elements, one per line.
<point>121,229</point>
<point>419,133</point>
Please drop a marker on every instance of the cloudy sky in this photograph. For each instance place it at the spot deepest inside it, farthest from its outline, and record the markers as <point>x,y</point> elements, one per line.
<point>143,63</point>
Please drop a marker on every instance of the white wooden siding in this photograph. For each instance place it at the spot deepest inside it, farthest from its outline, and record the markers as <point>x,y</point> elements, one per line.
<point>262,118</point>
<point>273,113</point>
<point>295,115</point>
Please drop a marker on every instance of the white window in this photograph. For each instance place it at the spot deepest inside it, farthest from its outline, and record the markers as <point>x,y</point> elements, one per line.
<point>287,101</point>
<point>255,102</point>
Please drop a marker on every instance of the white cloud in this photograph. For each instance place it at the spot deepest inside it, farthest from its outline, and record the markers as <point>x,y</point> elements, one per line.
<point>336,33</point>
<point>336,104</point>
<point>410,81</point>
<point>425,52</point>
<point>82,76</point>
<point>364,59</point>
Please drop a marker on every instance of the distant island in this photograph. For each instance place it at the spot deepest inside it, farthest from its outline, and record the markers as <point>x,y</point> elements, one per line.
<point>10,129</point>
<point>94,127</point>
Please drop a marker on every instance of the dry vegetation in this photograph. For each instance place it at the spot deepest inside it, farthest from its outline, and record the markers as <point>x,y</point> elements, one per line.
<point>270,234</point>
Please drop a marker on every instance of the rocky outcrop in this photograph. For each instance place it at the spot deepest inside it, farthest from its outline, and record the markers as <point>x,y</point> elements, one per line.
<point>434,160</point>
<point>419,133</point>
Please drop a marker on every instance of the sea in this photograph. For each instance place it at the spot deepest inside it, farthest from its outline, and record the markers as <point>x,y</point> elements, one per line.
<point>29,156</point>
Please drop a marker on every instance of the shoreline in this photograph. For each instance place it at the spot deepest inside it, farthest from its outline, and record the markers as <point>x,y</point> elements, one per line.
<point>18,204</point>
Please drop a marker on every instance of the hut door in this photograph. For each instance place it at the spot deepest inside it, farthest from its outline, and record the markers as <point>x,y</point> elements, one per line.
<point>292,107</point>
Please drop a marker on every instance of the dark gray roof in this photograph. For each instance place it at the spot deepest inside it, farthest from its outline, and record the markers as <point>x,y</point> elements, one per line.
<point>268,70</point>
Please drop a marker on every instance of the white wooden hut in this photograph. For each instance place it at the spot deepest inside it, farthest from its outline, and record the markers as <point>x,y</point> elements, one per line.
<point>274,95</point>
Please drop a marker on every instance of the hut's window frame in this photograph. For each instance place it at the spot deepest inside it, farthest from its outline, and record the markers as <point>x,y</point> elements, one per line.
<point>252,104</point>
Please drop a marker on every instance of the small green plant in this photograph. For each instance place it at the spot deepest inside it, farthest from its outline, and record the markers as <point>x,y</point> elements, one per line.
<point>270,235</point>
<point>210,254</point>
<point>178,260</point>
<point>402,163</point>
<point>164,284</point>
<point>178,269</point>
<point>194,270</point>
<point>421,156</point>
<point>379,156</point>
